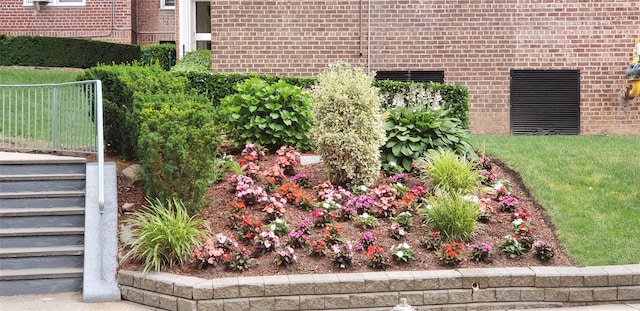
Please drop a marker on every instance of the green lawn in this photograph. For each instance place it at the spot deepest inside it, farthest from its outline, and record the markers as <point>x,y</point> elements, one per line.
<point>590,186</point>
<point>35,76</point>
<point>27,112</point>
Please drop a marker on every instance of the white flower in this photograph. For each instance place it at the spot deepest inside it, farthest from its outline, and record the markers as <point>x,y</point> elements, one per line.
<point>405,213</point>
<point>272,227</point>
<point>405,245</point>
<point>471,198</point>
<point>517,222</point>
<point>365,215</point>
<point>278,220</point>
<point>399,254</point>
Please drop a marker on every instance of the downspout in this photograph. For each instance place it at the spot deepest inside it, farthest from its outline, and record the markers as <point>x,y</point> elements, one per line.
<point>633,74</point>
<point>369,37</point>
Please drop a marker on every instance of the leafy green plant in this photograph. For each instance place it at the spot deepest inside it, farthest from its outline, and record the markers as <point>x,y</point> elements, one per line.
<point>221,166</point>
<point>448,172</point>
<point>452,215</point>
<point>512,247</point>
<point>269,115</point>
<point>348,125</point>
<point>402,252</point>
<point>177,144</point>
<point>365,221</point>
<point>164,234</point>
<point>160,53</point>
<point>411,132</point>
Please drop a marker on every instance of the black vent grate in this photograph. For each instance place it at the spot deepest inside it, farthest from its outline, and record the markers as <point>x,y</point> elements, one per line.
<point>545,101</point>
<point>416,76</point>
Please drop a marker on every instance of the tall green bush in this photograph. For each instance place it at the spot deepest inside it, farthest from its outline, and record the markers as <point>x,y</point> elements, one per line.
<point>454,216</point>
<point>177,145</point>
<point>195,61</point>
<point>119,84</point>
<point>269,115</point>
<point>161,54</point>
<point>448,172</point>
<point>348,124</point>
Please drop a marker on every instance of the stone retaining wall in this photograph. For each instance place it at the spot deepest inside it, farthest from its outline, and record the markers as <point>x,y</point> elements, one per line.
<point>462,289</point>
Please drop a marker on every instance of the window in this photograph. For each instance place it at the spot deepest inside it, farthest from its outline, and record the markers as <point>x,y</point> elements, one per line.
<point>416,76</point>
<point>55,2</point>
<point>167,4</point>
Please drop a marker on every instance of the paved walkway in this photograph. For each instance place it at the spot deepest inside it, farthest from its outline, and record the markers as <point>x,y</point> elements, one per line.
<point>73,302</point>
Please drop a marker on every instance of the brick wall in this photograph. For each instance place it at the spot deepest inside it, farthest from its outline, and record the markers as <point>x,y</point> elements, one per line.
<point>92,21</point>
<point>476,43</point>
<point>155,24</point>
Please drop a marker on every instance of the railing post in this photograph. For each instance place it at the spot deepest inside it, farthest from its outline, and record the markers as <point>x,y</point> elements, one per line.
<point>54,116</point>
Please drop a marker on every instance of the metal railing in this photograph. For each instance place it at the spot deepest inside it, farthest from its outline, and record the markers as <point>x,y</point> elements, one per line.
<point>50,117</point>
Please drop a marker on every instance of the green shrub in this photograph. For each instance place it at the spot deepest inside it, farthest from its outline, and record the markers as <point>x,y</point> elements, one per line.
<point>348,125</point>
<point>177,146</point>
<point>163,234</point>
<point>161,54</point>
<point>268,115</point>
<point>448,172</point>
<point>195,61</point>
<point>218,85</point>
<point>63,52</point>
<point>454,98</point>
<point>452,215</point>
<point>119,84</point>
<point>413,131</point>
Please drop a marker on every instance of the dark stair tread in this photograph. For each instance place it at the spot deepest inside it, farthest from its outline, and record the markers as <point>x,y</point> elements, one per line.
<point>36,177</point>
<point>40,273</point>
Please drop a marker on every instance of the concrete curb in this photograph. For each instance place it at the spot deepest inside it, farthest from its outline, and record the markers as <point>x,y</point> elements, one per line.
<point>463,289</point>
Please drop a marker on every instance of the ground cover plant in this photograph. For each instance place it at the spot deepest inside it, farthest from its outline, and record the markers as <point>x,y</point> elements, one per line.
<point>268,230</point>
<point>587,184</point>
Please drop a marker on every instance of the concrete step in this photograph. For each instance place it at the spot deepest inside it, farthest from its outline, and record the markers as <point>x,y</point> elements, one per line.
<point>40,281</point>
<point>22,232</point>
<point>42,168</point>
<point>42,183</point>
<point>40,194</point>
<point>38,273</point>
<point>67,250</point>
<point>41,211</point>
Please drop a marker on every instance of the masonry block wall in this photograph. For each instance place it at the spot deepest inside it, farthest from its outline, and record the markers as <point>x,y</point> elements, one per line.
<point>92,21</point>
<point>475,42</point>
<point>153,23</point>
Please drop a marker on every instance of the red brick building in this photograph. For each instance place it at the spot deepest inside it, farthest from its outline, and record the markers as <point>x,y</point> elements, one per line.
<point>528,64</point>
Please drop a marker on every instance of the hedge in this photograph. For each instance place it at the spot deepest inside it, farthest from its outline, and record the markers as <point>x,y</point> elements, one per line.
<point>63,52</point>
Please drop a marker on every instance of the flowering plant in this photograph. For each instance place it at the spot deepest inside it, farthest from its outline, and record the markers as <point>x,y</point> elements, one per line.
<point>275,174</point>
<point>332,234</point>
<point>366,221</point>
<point>360,190</point>
<point>377,259</point>
<point>211,252</point>
<point>452,253</point>
<point>368,239</point>
<point>542,250</point>
<point>318,248</point>
<point>306,225</point>
<point>252,195</point>
<point>523,232</point>
<point>487,177</point>
<point>342,255</point>
<point>252,152</point>
<point>402,252</point>
<point>287,159</point>
<point>267,241</point>
<point>249,229</point>
<point>302,179</point>
<point>404,219</point>
<point>240,182</point>
<point>275,206</point>
<point>397,231</point>
<point>346,212</point>
<point>392,168</point>
<point>433,241</point>
<point>250,169</point>
<point>508,203</point>
<point>522,213</point>
<point>512,247</point>
<point>298,239</point>
<point>279,226</point>
<point>386,196</point>
<point>295,195</point>
<point>502,188</point>
<point>239,259</point>
<point>400,189</point>
<point>322,217</point>
<point>362,203</point>
<point>327,192</point>
<point>285,256</point>
<point>480,252</point>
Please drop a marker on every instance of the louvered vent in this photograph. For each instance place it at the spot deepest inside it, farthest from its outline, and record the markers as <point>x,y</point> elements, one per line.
<point>417,76</point>
<point>545,101</point>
